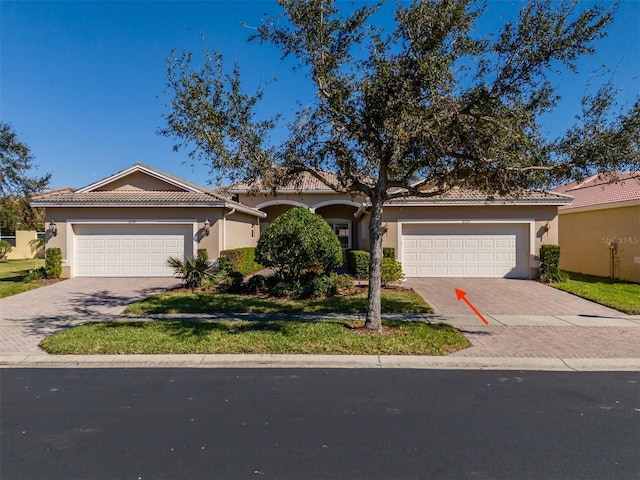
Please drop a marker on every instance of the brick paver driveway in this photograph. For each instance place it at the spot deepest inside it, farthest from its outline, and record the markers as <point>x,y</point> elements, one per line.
<point>501,296</point>
<point>82,297</point>
<point>28,317</point>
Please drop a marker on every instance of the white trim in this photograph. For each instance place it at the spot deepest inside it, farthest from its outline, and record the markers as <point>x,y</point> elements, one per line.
<point>270,203</point>
<point>139,168</point>
<point>71,237</point>
<point>326,203</point>
<point>527,221</point>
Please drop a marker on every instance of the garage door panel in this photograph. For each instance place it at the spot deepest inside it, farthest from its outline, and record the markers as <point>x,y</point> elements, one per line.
<point>131,251</point>
<point>483,250</point>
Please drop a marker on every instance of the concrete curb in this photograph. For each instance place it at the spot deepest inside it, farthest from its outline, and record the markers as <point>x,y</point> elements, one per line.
<point>320,361</point>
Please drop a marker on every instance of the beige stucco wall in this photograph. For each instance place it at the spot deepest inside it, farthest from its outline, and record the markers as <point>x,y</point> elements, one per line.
<point>237,226</point>
<point>22,248</point>
<point>585,238</point>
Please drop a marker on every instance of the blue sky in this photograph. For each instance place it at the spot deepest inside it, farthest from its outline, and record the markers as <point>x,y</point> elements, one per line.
<point>82,82</point>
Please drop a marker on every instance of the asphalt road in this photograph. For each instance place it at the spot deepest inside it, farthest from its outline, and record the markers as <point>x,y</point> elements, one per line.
<point>318,424</point>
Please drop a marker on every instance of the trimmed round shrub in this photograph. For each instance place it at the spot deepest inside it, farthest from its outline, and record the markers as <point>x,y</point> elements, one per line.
<point>299,241</point>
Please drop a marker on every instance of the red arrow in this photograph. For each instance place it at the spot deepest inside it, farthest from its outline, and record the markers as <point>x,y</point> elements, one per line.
<point>461,295</point>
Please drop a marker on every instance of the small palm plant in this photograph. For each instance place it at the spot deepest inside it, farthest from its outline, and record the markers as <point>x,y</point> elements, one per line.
<point>193,270</point>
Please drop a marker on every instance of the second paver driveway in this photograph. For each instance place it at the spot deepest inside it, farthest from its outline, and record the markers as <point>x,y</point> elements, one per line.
<point>501,296</point>
<point>82,297</point>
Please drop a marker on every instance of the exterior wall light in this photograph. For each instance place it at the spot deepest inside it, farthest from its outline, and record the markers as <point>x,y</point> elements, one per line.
<point>53,228</point>
<point>207,227</point>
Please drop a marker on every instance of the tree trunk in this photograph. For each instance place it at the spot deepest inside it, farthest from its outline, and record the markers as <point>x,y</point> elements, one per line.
<point>374,319</point>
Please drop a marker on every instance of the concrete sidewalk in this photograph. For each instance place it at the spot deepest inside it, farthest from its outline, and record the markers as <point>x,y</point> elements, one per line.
<point>520,342</point>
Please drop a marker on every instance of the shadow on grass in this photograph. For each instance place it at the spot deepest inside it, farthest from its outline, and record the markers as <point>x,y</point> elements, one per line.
<point>206,302</point>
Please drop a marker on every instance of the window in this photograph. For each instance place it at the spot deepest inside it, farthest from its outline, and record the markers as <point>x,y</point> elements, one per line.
<point>342,229</point>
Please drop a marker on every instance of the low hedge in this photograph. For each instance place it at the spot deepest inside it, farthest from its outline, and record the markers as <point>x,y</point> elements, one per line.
<point>550,264</point>
<point>358,264</point>
<point>241,260</point>
<point>53,262</point>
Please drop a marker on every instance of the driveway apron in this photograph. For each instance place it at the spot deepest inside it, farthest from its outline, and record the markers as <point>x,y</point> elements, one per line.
<point>82,297</point>
<point>28,317</point>
<point>501,296</point>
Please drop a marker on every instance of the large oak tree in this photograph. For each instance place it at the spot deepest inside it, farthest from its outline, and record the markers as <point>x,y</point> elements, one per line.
<point>431,99</point>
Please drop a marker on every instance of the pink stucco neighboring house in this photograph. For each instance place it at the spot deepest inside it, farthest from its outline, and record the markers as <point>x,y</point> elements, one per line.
<point>129,223</point>
<point>600,229</point>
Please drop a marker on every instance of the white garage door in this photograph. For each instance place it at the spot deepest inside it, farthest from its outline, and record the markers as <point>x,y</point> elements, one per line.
<point>129,250</point>
<point>473,250</point>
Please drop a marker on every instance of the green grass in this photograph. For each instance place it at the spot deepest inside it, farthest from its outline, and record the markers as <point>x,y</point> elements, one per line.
<point>12,273</point>
<point>393,301</point>
<point>260,337</point>
<point>622,296</point>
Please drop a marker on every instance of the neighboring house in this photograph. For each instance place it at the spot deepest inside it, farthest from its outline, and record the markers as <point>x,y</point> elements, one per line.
<point>22,246</point>
<point>600,230</point>
<point>129,223</point>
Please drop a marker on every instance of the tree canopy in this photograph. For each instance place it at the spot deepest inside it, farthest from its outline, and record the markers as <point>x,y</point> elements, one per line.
<point>16,183</point>
<point>430,99</point>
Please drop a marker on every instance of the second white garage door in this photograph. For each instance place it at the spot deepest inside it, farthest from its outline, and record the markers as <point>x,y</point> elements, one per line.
<point>466,250</point>
<point>129,250</point>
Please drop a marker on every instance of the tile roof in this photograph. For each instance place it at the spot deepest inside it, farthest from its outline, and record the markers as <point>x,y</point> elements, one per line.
<point>459,195</point>
<point>127,198</point>
<point>303,183</point>
<point>598,190</point>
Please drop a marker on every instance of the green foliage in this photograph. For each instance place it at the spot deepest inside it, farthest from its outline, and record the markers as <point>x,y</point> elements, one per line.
<point>391,271</point>
<point>298,241</point>
<point>389,252</point>
<point>287,288</point>
<point>193,271</point>
<point>5,248</point>
<point>550,264</point>
<point>35,274</point>
<point>241,260</point>
<point>358,263</point>
<point>15,162</point>
<point>257,284</point>
<point>203,253</point>
<point>316,286</point>
<point>53,262</point>
<point>231,283</point>
<point>344,283</point>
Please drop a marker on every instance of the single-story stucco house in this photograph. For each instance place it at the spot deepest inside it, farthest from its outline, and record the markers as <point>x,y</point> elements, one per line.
<point>129,224</point>
<point>599,233</point>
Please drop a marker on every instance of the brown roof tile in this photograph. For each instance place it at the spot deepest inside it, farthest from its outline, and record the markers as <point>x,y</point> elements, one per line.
<point>459,195</point>
<point>127,197</point>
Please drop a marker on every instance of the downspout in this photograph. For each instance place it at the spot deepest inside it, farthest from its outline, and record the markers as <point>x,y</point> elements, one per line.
<point>224,227</point>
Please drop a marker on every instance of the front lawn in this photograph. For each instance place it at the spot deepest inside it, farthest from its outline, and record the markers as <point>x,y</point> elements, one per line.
<point>255,337</point>
<point>12,274</point>
<point>393,301</point>
<point>622,296</point>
